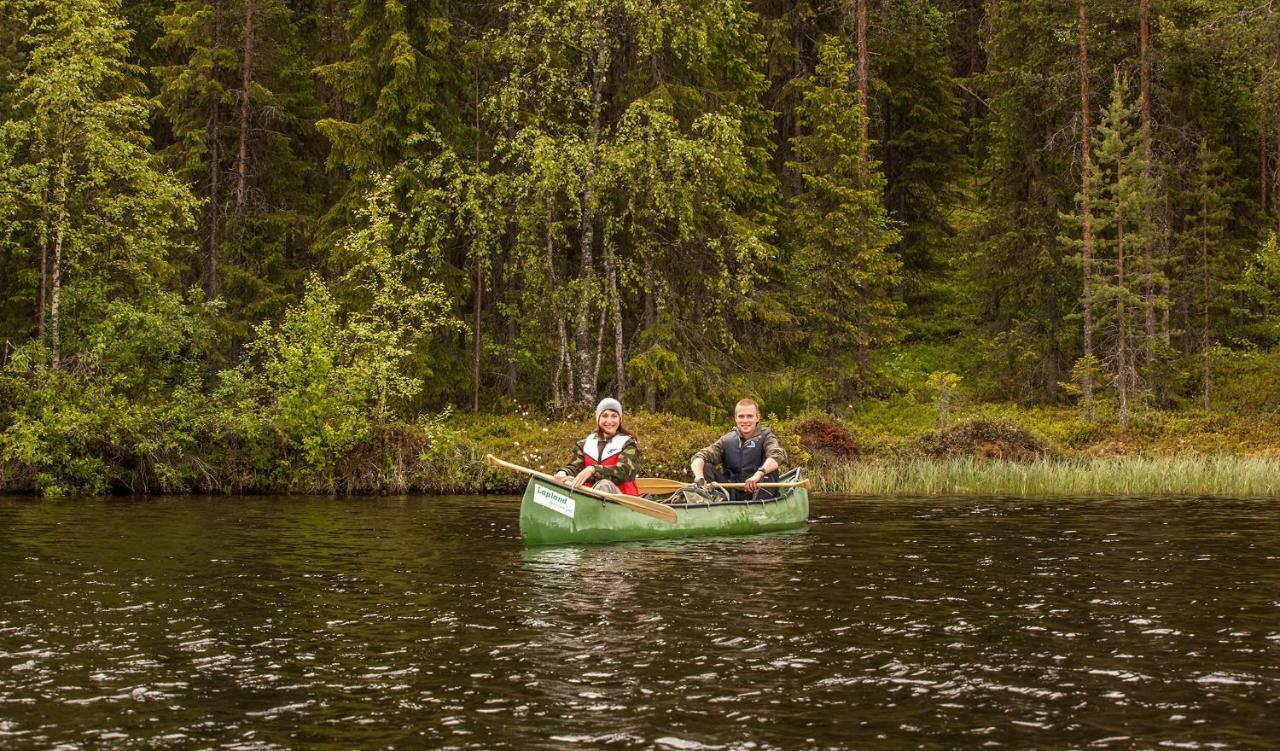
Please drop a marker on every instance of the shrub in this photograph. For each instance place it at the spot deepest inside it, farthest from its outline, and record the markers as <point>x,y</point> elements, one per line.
<point>820,434</point>
<point>984,439</point>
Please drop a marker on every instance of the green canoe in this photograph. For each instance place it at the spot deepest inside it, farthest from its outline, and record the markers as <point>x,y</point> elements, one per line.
<point>551,515</point>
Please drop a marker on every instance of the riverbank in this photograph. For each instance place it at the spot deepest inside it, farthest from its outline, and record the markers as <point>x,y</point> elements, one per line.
<point>885,448</point>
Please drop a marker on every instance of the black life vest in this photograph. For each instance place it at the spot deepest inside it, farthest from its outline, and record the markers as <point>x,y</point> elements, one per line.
<point>743,458</point>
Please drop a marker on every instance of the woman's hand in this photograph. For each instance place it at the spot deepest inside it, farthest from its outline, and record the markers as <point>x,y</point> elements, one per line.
<point>582,477</point>
<point>752,483</point>
<point>561,477</point>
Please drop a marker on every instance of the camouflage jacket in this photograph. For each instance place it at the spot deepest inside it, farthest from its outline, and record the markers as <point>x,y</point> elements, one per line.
<point>627,468</point>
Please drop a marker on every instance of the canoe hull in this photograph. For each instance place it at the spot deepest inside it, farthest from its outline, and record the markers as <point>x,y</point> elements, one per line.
<point>551,515</point>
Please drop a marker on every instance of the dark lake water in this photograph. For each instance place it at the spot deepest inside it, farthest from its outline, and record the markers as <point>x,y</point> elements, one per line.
<point>262,623</point>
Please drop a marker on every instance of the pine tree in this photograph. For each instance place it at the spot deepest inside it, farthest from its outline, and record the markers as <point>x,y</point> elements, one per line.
<point>1120,186</point>
<point>1023,288</point>
<point>843,233</point>
<point>1207,253</point>
<point>238,97</point>
<point>398,92</point>
<point>921,146</point>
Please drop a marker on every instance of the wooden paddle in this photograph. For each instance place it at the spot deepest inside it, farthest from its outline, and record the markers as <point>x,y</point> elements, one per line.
<point>639,505</point>
<point>662,486</point>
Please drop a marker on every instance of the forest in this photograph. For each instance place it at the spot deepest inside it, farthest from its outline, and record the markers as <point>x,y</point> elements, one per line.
<point>245,244</point>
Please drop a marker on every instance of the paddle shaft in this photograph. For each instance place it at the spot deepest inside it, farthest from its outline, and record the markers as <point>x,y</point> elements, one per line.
<point>639,505</point>
<point>663,485</point>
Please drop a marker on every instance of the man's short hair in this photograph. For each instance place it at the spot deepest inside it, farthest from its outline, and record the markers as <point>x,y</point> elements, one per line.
<point>744,403</point>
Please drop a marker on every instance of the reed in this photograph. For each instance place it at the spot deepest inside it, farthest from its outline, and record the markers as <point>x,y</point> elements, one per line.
<point>1214,475</point>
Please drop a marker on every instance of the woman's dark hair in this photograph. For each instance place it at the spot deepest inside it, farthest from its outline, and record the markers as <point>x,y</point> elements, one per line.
<point>622,429</point>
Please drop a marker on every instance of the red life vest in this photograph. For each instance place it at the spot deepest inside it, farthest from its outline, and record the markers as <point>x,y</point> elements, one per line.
<point>608,456</point>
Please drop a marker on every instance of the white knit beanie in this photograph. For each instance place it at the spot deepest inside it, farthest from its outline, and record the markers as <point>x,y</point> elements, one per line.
<point>608,403</point>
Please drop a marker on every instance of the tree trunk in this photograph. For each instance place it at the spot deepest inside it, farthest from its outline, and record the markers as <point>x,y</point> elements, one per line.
<point>1148,263</point>
<point>595,369</point>
<point>55,276</point>
<point>864,86</point>
<point>44,262</point>
<point>1263,181</point>
<point>479,290</point>
<point>974,34</point>
<point>586,374</point>
<point>1122,335</point>
<point>650,321</point>
<point>1086,205</point>
<point>1204,295</point>
<point>333,49</point>
<point>246,83</point>
<point>619,346</point>
<point>562,335</point>
<point>513,375</point>
<point>1166,293</point>
<point>213,210</point>
<point>475,359</point>
<point>1053,322</point>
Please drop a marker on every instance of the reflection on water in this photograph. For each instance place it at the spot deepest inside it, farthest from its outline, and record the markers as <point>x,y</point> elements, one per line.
<point>287,623</point>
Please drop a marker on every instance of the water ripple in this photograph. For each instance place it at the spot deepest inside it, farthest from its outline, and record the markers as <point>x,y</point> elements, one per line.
<point>404,623</point>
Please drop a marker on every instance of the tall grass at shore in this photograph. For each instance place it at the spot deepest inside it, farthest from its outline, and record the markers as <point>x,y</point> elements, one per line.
<point>1220,475</point>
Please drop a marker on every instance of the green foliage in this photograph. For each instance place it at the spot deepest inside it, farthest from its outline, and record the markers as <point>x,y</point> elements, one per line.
<point>238,98</point>
<point>632,154</point>
<point>1259,286</point>
<point>79,165</point>
<point>843,232</point>
<point>943,384</point>
<point>126,414</point>
<point>922,150</point>
<point>673,202</point>
<point>311,389</point>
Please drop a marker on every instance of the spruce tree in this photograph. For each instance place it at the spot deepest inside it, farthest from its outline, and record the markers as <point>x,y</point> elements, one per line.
<point>399,94</point>
<point>238,97</point>
<point>843,233</point>
<point>1207,253</point>
<point>921,146</point>
<point>1122,191</point>
<point>1022,286</point>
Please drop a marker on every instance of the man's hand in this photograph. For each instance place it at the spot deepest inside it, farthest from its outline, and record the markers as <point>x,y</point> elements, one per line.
<point>701,482</point>
<point>561,477</point>
<point>586,472</point>
<point>753,482</point>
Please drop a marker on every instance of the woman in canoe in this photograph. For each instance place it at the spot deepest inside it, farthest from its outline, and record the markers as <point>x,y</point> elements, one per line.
<point>608,460</point>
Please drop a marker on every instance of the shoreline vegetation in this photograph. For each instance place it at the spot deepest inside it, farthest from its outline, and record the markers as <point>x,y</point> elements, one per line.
<point>288,247</point>
<point>888,449</point>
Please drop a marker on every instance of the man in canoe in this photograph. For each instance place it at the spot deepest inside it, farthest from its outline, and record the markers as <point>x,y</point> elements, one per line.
<point>608,459</point>
<point>748,454</point>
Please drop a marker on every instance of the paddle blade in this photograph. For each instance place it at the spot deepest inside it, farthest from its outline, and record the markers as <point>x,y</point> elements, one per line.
<point>658,485</point>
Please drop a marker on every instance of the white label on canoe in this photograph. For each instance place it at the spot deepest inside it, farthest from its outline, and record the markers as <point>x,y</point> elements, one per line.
<point>558,502</point>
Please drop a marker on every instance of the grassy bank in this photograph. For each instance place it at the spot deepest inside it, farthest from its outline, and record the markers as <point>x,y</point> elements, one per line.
<point>883,449</point>
<point>1199,476</point>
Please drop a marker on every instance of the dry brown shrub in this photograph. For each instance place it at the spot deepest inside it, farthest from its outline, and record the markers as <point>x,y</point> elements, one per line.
<point>984,439</point>
<point>1107,448</point>
<point>822,434</point>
